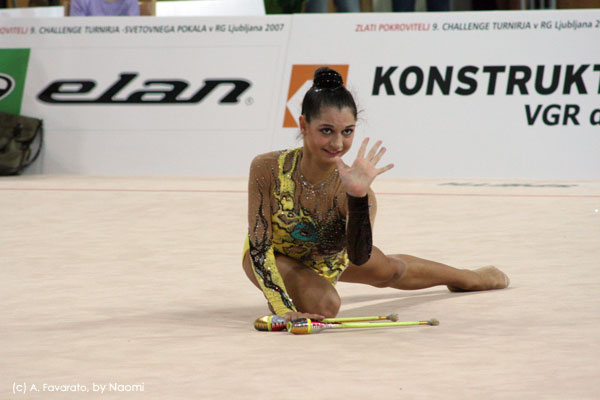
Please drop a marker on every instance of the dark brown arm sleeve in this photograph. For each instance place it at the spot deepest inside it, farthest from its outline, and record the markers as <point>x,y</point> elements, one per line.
<point>358,230</point>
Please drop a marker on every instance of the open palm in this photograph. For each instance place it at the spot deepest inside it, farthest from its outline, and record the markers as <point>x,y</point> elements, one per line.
<point>358,177</point>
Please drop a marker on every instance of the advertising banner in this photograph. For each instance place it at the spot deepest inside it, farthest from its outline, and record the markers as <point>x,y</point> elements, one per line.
<point>452,95</point>
<point>181,96</point>
<point>487,94</point>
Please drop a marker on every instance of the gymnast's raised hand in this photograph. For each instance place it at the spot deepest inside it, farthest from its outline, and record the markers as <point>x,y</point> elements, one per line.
<point>358,177</point>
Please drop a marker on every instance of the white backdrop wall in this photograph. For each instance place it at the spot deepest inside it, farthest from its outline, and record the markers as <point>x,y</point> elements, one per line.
<point>498,95</point>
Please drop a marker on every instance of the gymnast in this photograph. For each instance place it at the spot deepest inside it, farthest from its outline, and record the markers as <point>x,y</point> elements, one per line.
<point>310,217</point>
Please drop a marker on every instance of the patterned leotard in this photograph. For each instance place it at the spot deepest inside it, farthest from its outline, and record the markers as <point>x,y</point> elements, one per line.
<point>291,217</point>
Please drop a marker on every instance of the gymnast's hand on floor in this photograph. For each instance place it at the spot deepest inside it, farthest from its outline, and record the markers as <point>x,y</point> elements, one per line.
<point>358,177</point>
<point>291,316</point>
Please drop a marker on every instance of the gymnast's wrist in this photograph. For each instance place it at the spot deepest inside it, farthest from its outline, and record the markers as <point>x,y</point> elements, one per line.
<point>358,204</point>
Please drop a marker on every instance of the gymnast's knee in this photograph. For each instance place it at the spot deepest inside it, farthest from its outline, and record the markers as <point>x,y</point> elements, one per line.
<point>330,305</point>
<point>327,305</point>
<point>396,269</point>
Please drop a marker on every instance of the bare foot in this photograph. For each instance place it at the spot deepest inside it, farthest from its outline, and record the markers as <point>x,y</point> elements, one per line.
<point>490,278</point>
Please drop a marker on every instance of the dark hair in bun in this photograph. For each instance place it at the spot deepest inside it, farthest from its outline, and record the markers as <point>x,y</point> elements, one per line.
<point>327,79</point>
<point>327,91</point>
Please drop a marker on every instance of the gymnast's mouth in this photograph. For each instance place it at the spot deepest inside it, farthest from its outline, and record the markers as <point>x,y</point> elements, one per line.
<point>333,153</point>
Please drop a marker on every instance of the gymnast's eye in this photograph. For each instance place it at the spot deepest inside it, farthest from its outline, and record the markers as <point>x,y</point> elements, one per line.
<point>326,131</point>
<point>348,132</point>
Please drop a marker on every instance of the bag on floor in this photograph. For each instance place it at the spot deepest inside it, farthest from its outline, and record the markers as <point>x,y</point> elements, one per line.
<point>17,134</point>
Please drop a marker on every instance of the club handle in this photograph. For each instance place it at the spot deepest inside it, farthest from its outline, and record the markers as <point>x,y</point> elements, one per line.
<point>432,321</point>
<point>354,319</point>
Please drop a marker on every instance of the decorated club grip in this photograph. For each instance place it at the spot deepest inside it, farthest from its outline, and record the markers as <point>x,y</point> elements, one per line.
<point>302,326</point>
<point>270,323</point>
<point>306,326</point>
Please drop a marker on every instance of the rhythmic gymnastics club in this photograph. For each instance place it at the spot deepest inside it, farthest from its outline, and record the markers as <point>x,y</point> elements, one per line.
<point>273,323</point>
<point>391,317</point>
<point>304,326</point>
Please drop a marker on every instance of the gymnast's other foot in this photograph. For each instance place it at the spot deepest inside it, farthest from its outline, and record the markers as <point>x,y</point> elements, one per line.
<point>490,278</point>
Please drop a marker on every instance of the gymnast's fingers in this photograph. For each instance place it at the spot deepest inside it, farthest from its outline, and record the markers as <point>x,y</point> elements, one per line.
<point>379,155</point>
<point>384,169</point>
<point>291,316</point>
<point>363,149</point>
<point>373,151</point>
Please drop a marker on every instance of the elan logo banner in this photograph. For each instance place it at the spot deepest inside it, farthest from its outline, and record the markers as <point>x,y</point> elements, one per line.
<point>156,91</point>
<point>13,72</point>
<point>300,82</point>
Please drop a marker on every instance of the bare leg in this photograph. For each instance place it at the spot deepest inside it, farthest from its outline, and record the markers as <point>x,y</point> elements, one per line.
<point>406,272</point>
<point>310,292</point>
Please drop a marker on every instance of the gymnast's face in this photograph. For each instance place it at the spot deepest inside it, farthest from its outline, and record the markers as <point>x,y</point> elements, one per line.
<point>328,135</point>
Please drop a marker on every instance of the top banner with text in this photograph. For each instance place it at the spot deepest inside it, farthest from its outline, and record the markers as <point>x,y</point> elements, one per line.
<point>452,95</point>
<point>498,95</point>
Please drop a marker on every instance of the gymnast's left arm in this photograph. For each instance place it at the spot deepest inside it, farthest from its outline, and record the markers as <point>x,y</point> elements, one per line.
<point>357,180</point>
<point>358,229</point>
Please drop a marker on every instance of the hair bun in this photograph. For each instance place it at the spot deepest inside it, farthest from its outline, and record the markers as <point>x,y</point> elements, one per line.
<point>327,79</point>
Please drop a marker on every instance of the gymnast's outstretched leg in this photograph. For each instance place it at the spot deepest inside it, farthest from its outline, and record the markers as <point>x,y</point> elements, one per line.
<point>401,271</point>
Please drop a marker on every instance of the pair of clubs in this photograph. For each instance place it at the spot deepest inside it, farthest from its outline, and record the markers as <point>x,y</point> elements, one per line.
<point>305,326</point>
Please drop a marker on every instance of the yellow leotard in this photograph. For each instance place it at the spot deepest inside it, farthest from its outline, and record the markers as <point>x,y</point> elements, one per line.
<point>306,222</point>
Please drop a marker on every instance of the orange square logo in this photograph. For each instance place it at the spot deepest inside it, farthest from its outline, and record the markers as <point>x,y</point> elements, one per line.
<point>300,77</point>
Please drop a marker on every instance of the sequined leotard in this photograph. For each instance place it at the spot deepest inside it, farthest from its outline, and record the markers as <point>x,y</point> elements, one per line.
<point>289,216</point>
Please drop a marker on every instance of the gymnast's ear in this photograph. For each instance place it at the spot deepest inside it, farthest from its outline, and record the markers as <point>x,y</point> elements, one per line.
<point>303,124</point>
